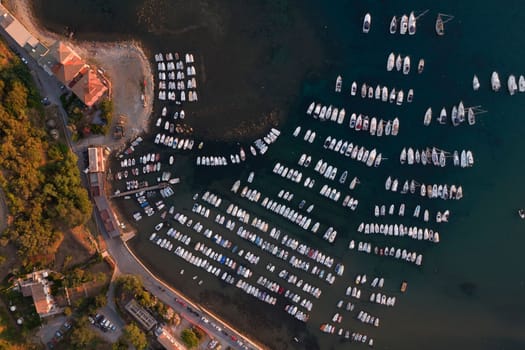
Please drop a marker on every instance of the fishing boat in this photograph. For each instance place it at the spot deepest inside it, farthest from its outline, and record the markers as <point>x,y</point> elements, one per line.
<point>440,26</point>
<point>393,25</point>
<point>511,84</point>
<point>471,117</point>
<point>521,84</point>
<point>475,83</point>
<point>412,24</point>
<point>399,62</point>
<point>428,117</point>
<point>338,83</point>
<point>390,62</point>
<point>353,90</point>
<point>495,82</point>
<point>410,96</point>
<point>421,65</point>
<point>406,65</point>
<point>404,25</point>
<point>367,21</point>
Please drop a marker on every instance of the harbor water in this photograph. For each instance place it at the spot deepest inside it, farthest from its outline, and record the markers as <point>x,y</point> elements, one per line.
<point>260,64</point>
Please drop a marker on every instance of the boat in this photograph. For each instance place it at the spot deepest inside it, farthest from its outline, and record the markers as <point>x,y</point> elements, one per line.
<point>521,84</point>
<point>367,21</point>
<point>404,25</point>
<point>400,97</point>
<point>461,112</point>
<point>494,80</point>
<point>521,213</point>
<point>310,108</point>
<point>371,158</point>
<point>475,83</point>
<point>403,156</point>
<point>404,286</point>
<point>443,116</point>
<point>421,65</point>
<point>399,62</point>
<point>364,90</point>
<point>384,94</point>
<point>341,117</point>
<point>353,90</point>
<point>471,117</point>
<point>406,65</point>
<point>390,61</point>
<point>338,83</point>
<point>377,93</point>
<point>428,117</point>
<point>342,179</point>
<point>454,116</point>
<point>393,25</point>
<point>395,127</point>
<point>392,96</point>
<point>440,28</point>
<point>373,126</point>
<point>412,24</point>
<point>511,84</point>
<point>352,122</point>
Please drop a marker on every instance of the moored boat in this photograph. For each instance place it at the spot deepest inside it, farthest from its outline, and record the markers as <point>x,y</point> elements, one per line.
<point>393,25</point>
<point>521,84</point>
<point>421,65</point>
<point>338,83</point>
<point>495,82</point>
<point>511,85</point>
<point>390,62</point>
<point>428,117</point>
<point>412,24</point>
<point>475,83</point>
<point>406,65</point>
<point>404,25</point>
<point>353,90</point>
<point>367,21</point>
<point>440,26</point>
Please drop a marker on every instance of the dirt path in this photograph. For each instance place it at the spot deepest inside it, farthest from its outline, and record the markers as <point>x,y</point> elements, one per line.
<point>3,211</point>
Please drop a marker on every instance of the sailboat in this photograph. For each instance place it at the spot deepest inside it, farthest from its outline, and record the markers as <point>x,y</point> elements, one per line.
<point>428,117</point>
<point>411,24</point>
<point>338,83</point>
<point>471,116</point>
<point>390,62</point>
<point>475,83</point>
<point>440,26</point>
<point>404,25</point>
<point>406,65</point>
<point>494,80</point>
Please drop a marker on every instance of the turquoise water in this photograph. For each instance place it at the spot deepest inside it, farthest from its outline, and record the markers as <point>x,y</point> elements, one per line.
<point>469,292</point>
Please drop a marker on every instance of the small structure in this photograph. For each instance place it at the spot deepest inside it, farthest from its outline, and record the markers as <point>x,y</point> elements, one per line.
<point>37,286</point>
<point>141,315</point>
<point>167,340</point>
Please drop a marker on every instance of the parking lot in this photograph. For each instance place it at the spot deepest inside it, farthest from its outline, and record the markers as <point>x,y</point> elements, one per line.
<point>105,327</point>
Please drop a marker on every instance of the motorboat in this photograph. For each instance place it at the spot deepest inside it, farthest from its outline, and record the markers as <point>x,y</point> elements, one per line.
<point>428,117</point>
<point>475,83</point>
<point>367,21</point>
<point>310,108</point>
<point>373,126</point>
<point>443,116</point>
<point>511,84</point>
<point>352,122</point>
<point>400,97</point>
<point>461,112</point>
<point>399,62</point>
<point>421,65</point>
<point>393,25</point>
<point>353,90</point>
<point>521,84</point>
<point>440,25</point>
<point>404,25</point>
<point>392,96</point>
<point>341,117</point>
<point>471,116</point>
<point>391,61</point>
<point>395,127</point>
<point>403,156</point>
<point>495,82</point>
<point>377,93</point>
<point>411,24</point>
<point>406,65</point>
<point>338,83</point>
<point>454,116</point>
<point>384,94</point>
<point>364,90</point>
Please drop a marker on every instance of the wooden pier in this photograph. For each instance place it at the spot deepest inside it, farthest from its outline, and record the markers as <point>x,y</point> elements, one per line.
<point>149,188</point>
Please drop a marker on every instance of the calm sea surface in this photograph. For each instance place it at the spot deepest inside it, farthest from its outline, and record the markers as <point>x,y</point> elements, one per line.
<point>262,63</point>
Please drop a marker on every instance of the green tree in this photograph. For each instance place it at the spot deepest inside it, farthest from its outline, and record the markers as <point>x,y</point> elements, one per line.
<point>135,336</point>
<point>189,338</point>
<point>83,336</point>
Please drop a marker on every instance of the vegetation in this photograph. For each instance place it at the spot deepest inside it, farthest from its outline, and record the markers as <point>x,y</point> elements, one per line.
<point>41,179</point>
<point>76,114</point>
<point>83,335</point>
<point>135,336</point>
<point>189,338</point>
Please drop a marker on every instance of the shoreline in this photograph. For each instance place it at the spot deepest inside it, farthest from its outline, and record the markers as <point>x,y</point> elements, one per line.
<point>125,63</point>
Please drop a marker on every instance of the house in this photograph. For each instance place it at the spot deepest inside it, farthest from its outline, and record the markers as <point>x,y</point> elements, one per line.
<point>38,287</point>
<point>89,88</point>
<point>65,63</point>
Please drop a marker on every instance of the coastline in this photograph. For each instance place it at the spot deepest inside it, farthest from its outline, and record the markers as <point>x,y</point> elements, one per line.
<point>124,62</point>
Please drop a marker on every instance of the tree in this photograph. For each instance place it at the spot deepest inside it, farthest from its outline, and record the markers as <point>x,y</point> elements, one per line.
<point>83,336</point>
<point>189,338</point>
<point>67,311</point>
<point>100,301</point>
<point>135,336</point>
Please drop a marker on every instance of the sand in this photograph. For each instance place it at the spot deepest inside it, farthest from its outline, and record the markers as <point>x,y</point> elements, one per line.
<point>125,63</point>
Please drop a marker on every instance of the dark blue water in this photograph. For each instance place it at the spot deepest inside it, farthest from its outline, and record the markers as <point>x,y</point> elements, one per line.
<point>469,294</point>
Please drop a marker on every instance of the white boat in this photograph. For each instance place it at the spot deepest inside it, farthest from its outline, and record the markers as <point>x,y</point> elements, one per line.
<point>353,91</point>
<point>406,65</point>
<point>411,24</point>
<point>410,156</point>
<point>471,116</point>
<point>377,93</point>
<point>164,111</point>
<point>475,83</point>
<point>367,21</point>
<point>511,85</point>
<point>400,97</point>
<point>371,158</point>
<point>495,82</point>
<point>392,96</point>
<point>373,126</point>
<point>404,25</point>
<point>443,116</point>
<point>399,62</point>
<point>388,183</point>
<point>421,65</point>
<point>364,90</point>
<point>410,96</point>
<point>390,62</point>
<point>403,156</point>
<point>338,83</point>
<point>440,27</point>
<point>310,108</point>
<point>384,94</point>
<point>428,117</point>
<point>393,25</point>
<point>521,83</point>
<point>341,117</point>
<point>395,127</point>
<point>297,131</point>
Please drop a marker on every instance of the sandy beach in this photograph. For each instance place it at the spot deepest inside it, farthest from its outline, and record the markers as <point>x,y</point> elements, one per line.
<point>125,63</point>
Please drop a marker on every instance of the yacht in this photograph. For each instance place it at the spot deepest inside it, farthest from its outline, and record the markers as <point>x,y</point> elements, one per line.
<point>406,65</point>
<point>366,23</point>
<point>341,117</point>
<point>404,25</point>
<point>443,116</point>
<point>395,127</point>
<point>338,83</point>
<point>412,24</point>
<point>421,65</point>
<point>440,26</point>
<point>391,61</point>
<point>393,25</point>
<point>410,96</point>
<point>494,80</point>
<point>475,83</point>
<point>511,85</point>
<point>310,108</point>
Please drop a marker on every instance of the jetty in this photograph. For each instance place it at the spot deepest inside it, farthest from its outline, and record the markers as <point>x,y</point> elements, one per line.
<point>158,186</point>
